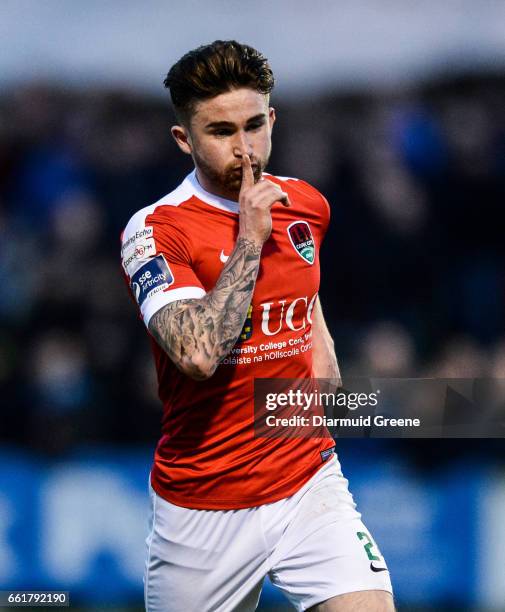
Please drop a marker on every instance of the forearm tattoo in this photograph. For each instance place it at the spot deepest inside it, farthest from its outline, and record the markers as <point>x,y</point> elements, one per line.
<point>196,334</point>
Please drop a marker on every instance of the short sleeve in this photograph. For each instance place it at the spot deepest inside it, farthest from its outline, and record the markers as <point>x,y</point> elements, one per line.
<point>326,216</point>
<point>320,207</point>
<point>157,262</point>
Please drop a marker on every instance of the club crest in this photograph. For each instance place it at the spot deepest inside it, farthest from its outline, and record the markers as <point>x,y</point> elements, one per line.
<point>301,238</point>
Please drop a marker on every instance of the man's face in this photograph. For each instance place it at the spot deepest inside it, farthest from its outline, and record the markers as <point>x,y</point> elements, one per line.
<point>222,129</point>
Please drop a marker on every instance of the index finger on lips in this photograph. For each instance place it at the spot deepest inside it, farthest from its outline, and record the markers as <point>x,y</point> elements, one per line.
<point>247,172</point>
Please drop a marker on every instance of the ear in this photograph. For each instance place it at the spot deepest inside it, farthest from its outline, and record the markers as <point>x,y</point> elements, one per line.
<point>271,116</point>
<point>183,138</point>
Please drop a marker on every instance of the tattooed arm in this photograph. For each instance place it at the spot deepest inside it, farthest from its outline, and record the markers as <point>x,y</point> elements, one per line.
<point>197,334</point>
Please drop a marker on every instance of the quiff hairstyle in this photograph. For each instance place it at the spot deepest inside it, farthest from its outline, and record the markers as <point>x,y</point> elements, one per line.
<point>213,69</point>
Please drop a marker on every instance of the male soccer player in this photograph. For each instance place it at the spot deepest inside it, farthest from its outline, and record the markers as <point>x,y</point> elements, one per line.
<point>225,271</point>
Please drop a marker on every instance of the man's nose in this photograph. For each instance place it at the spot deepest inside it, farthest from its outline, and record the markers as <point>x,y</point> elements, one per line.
<point>242,145</point>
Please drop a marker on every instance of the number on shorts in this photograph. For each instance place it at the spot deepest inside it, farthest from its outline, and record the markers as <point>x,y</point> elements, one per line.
<point>368,546</point>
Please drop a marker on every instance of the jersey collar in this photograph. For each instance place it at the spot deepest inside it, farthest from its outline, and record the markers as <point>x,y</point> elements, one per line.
<point>210,198</point>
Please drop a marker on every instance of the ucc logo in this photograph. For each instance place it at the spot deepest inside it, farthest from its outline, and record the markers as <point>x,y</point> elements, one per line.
<point>294,315</point>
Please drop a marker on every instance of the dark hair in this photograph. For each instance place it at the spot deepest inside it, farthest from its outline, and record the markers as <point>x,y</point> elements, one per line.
<point>213,69</point>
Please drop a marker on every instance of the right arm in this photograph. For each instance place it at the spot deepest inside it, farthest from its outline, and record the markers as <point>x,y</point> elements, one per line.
<point>197,334</point>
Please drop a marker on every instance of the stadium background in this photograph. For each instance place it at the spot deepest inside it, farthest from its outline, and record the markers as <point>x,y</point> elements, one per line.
<point>396,112</point>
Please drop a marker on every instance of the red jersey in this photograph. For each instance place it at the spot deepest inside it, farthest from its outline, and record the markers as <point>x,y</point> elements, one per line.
<point>208,456</point>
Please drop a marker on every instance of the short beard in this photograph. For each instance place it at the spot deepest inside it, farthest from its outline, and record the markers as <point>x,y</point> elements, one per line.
<point>230,180</point>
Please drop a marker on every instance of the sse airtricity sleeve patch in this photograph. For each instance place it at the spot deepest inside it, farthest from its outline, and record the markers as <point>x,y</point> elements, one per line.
<point>151,278</point>
<point>157,259</point>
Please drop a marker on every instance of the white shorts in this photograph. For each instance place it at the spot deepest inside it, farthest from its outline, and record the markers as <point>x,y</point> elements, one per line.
<point>313,546</point>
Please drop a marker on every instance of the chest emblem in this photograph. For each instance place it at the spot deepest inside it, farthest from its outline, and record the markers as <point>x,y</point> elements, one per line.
<point>301,238</point>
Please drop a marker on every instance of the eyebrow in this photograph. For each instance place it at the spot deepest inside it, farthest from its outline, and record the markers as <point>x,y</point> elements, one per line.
<point>228,124</point>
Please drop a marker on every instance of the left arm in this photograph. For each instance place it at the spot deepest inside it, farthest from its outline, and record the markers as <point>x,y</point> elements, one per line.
<point>324,360</point>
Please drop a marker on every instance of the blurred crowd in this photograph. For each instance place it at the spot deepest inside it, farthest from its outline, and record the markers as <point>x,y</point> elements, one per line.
<point>412,266</point>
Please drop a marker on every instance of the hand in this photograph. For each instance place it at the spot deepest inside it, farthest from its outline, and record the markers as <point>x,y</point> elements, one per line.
<point>256,201</point>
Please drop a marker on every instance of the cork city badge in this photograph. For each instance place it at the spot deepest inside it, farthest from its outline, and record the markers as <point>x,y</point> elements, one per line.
<point>301,238</point>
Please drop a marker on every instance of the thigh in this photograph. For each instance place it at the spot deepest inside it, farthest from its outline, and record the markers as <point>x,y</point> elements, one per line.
<point>371,601</point>
<point>212,561</point>
<point>327,551</point>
